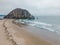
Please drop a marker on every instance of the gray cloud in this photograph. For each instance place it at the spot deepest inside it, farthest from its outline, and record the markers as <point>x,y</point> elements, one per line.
<point>35,7</point>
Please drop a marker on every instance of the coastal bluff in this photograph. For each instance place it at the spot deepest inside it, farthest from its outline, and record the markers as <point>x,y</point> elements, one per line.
<point>19,13</point>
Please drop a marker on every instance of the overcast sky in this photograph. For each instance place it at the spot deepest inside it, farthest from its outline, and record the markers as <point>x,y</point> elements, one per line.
<point>35,7</point>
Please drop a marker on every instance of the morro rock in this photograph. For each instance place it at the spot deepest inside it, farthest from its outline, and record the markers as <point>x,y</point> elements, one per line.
<point>19,13</point>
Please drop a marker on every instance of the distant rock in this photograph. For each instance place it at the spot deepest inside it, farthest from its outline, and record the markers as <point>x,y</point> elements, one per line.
<point>19,13</point>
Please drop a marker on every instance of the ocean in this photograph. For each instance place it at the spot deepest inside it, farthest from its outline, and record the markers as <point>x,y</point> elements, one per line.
<point>51,23</point>
<point>45,27</point>
<point>1,16</point>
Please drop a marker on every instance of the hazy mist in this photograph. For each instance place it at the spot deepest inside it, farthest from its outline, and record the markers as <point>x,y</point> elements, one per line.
<point>35,7</point>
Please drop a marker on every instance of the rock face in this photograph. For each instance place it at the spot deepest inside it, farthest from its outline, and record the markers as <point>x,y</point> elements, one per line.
<point>19,13</point>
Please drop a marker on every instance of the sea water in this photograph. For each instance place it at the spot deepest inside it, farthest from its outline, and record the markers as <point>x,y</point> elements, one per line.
<point>1,16</point>
<point>51,23</point>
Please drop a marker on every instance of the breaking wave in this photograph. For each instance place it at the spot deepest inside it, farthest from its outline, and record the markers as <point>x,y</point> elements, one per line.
<point>41,25</point>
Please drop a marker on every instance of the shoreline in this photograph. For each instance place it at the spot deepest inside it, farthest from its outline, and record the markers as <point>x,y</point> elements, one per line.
<point>25,29</point>
<point>18,35</point>
<point>46,35</point>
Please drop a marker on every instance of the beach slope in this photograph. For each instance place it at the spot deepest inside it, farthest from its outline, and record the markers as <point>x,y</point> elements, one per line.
<point>12,34</point>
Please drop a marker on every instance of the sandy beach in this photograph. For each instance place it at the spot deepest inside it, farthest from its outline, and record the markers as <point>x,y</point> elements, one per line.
<point>12,34</point>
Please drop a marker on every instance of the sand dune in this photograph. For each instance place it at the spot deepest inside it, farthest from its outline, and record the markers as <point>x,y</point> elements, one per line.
<point>12,34</point>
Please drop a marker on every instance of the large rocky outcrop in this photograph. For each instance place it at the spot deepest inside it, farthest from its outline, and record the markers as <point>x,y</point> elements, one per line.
<point>19,13</point>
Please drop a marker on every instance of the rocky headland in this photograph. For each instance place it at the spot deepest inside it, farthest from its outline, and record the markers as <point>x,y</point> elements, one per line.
<point>13,34</point>
<point>19,13</point>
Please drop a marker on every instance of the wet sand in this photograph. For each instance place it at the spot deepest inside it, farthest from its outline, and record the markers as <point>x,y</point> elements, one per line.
<point>12,34</point>
<point>49,36</point>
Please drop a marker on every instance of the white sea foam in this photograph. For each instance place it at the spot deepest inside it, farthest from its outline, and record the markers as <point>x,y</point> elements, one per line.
<point>49,29</point>
<point>36,22</point>
<point>41,25</point>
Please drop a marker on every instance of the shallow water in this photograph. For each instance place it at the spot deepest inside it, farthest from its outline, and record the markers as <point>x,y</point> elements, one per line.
<point>1,16</point>
<point>51,23</point>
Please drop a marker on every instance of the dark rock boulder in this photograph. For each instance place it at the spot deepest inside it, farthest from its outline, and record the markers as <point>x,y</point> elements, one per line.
<point>19,13</point>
